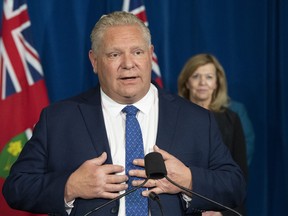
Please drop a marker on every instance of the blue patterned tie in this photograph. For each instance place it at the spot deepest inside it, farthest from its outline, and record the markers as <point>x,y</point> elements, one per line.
<point>136,204</point>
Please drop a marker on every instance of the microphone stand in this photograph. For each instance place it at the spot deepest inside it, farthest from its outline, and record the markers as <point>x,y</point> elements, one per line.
<point>116,198</point>
<point>203,197</point>
<point>155,197</point>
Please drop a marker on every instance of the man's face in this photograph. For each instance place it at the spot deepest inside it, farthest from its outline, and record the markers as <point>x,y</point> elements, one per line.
<point>123,63</point>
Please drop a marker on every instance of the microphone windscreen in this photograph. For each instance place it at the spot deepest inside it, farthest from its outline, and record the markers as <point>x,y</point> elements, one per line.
<point>154,166</point>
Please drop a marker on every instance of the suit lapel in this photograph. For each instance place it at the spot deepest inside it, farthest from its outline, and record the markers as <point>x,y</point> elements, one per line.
<point>92,114</point>
<point>166,127</point>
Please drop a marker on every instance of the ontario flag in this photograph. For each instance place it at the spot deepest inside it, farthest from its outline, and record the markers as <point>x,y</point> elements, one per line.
<point>23,93</point>
<point>137,7</point>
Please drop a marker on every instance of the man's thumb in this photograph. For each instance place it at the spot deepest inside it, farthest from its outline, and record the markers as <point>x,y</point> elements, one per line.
<point>100,160</point>
<point>164,154</point>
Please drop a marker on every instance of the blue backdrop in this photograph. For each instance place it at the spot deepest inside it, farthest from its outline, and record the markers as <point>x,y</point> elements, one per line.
<point>249,37</point>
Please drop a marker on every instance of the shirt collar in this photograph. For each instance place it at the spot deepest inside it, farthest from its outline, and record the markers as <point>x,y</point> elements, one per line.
<point>144,105</point>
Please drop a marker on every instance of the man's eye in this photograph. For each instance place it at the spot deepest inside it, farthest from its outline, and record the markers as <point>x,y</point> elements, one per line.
<point>113,55</point>
<point>138,52</point>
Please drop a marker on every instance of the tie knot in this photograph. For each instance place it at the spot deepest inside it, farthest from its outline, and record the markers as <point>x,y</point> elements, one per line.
<point>130,110</point>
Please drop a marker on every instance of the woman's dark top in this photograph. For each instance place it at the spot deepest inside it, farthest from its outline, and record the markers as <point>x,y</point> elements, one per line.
<point>233,136</point>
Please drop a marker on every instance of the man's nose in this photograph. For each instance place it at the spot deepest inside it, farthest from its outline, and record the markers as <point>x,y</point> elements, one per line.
<point>128,61</point>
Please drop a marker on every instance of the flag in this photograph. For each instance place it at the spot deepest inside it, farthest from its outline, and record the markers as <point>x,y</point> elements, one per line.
<point>23,93</point>
<point>137,7</point>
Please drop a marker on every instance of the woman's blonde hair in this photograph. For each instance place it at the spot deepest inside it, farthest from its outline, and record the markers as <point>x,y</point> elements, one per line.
<point>220,97</point>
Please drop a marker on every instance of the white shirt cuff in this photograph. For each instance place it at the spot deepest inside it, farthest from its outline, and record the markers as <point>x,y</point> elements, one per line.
<point>69,206</point>
<point>187,199</point>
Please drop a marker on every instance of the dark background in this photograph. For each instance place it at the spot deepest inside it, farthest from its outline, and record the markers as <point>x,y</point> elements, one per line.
<point>249,37</point>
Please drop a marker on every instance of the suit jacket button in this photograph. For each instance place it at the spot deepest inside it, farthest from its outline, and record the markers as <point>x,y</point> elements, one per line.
<point>114,210</point>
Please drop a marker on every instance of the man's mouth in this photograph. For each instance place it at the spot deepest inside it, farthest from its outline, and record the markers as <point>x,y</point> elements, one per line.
<point>128,78</point>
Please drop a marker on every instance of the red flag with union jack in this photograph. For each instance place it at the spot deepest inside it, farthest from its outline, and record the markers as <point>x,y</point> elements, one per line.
<point>23,93</point>
<point>137,7</point>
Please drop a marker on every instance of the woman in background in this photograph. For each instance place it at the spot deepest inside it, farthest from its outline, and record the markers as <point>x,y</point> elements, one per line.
<point>203,81</point>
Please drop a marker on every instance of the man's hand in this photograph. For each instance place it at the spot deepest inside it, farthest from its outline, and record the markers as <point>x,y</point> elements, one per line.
<point>95,180</point>
<point>176,171</point>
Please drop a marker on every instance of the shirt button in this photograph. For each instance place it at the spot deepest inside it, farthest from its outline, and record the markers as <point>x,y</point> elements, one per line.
<point>114,210</point>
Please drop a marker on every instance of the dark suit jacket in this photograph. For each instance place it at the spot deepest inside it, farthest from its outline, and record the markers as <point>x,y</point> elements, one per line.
<point>73,131</point>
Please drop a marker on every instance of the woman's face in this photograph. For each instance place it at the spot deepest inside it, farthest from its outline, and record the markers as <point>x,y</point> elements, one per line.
<point>202,83</point>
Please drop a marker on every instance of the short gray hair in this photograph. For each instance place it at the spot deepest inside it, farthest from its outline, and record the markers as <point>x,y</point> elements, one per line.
<point>116,18</point>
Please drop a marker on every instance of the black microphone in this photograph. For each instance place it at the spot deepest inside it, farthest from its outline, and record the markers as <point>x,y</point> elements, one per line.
<point>155,167</point>
<point>117,198</point>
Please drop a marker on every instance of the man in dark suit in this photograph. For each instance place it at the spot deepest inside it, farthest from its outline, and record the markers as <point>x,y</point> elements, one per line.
<point>75,160</point>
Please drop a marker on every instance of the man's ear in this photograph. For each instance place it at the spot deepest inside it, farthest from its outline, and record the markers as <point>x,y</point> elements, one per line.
<point>151,51</point>
<point>93,61</point>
